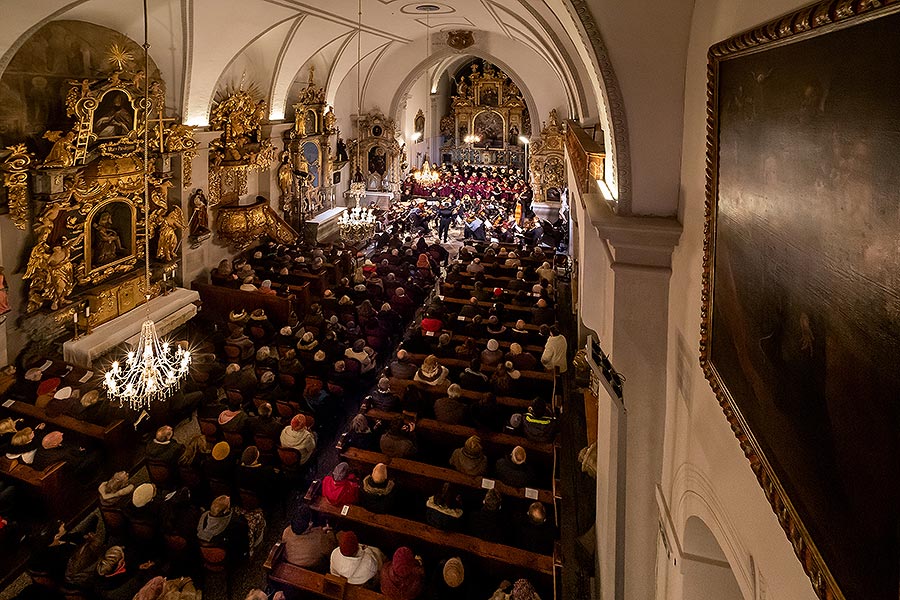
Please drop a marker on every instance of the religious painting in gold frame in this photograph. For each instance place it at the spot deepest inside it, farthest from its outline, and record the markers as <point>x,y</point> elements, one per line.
<point>110,235</point>
<point>800,328</point>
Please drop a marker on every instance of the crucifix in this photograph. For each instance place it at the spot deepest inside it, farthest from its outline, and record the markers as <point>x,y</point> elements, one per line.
<point>160,122</point>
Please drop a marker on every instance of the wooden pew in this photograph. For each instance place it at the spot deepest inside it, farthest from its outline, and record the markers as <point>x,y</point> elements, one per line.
<point>301,293</point>
<point>406,528</point>
<point>429,477</point>
<point>325,585</point>
<point>462,364</point>
<point>111,436</point>
<point>219,301</point>
<point>46,483</point>
<point>521,311</point>
<point>460,433</point>
<point>400,385</point>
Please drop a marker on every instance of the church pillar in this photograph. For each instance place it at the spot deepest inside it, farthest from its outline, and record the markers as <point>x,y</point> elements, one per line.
<point>433,128</point>
<point>636,321</point>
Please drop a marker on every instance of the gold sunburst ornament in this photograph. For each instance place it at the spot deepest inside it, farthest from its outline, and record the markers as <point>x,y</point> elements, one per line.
<point>118,56</point>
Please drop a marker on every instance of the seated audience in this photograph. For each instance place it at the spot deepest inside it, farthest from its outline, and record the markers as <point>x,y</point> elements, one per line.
<point>356,562</point>
<point>451,409</point>
<point>298,436</point>
<point>163,447</point>
<point>377,492</point>
<point>402,577</point>
<point>341,487</point>
<point>444,509</point>
<point>470,459</point>
<point>431,372</point>
<point>306,545</point>
<point>399,440</point>
<point>513,470</point>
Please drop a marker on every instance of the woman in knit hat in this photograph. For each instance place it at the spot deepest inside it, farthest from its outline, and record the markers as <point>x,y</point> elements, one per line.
<point>451,409</point>
<point>298,436</point>
<point>432,372</point>
<point>377,492</point>
<point>356,562</point>
<point>341,486</point>
<point>492,355</point>
<point>360,434</point>
<point>222,463</point>
<point>521,360</point>
<point>223,527</point>
<point>306,545</point>
<point>402,577</point>
<point>144,504</point>
<point>514,471</point>
<point>448,581</point>
<point>470,459</point>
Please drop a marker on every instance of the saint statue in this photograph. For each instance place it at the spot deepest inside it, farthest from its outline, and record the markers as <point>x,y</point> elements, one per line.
<point>4,297</point>
<point>60,273</point>
<point>199,225</point>
<point>167,241</point>
<point>330,120</point>
<point>61,154</point>
<point>285,175</point>
<point>106,243</point>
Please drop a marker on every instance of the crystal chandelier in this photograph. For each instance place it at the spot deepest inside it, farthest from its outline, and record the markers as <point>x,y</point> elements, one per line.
<point>357,224</point>
<point>152,370</point>
<point>472,138</point>
<point>427,175</point>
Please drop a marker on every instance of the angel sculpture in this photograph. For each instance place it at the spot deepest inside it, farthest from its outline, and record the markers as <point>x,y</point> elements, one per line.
<point>167,241</point>
<point>60,272</point>
<point>61,154</point>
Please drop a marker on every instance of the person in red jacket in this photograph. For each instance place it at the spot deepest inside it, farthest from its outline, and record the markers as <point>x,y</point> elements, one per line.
<point>341,487</point>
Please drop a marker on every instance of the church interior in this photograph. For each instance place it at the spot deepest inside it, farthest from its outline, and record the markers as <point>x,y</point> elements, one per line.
<point>501,299</point>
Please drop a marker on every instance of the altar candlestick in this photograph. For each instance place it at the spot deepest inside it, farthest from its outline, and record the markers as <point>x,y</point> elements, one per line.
<point>87,312</point>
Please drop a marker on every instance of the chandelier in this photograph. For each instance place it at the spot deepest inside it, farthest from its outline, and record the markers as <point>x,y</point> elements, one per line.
<point>357,224</point>
<point>152,370</point>
<point>472,138</point>
<point>427,175</point>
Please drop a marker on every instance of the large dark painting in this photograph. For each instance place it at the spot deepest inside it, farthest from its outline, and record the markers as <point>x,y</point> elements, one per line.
<point>801,331</point>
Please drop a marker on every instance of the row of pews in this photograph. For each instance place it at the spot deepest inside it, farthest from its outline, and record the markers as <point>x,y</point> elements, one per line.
<point>425,473</point>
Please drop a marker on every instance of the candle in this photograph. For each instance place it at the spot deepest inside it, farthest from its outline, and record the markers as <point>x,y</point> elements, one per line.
<point>164,275</point>
<point>87,311</point>
<point>75,318</point>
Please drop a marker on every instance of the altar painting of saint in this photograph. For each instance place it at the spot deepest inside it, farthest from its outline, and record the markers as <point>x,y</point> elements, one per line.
<point>377,161</point>
<point>114,117</point>
<point>111,234</point>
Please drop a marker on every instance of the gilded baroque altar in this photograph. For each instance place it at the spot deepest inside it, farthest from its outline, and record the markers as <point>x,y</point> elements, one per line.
<point>83,199</point>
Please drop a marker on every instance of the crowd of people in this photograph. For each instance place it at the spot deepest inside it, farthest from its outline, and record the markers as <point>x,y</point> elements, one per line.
<point>479,347</point>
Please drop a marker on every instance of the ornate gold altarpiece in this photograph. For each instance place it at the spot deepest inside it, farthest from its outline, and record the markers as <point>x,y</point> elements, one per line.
<point>489,105</point>
<point>309,142</point>
<point>83,201</point>
<point>241,148</point>
<point>379,152</point>
<point>547,167</point>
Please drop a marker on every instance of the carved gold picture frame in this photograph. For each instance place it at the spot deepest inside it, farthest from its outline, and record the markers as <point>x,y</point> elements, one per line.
<point>752,77</point>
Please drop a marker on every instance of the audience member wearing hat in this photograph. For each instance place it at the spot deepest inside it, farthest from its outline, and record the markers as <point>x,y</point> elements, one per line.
<point>144,504</point>
<point>256,477</point>
<point>360,435</point>
<point>363,354</point>
<point>81,463</point>
<point>492,355</point>
<point>356,562</point>
<point>220,526</point>
<point>521,360</point>
<point>403,367</point>
<point>23,445</point>
<point>444,509</point>
<point>115,575</point>
<point>539,424</point>
<point>164,447</point>
<point>222,463</point>
<point>305,544</point>
<point>448,581</point>
<point>116,491</point>
<point>377,492</point>
<point>265,423</point>
<point>402,577</point>
<point>451,409</point>
<point>341,487</point>
<point>431,372</point>
<point>298,436</point>
<point>470,459</point>
<point>514,471</point>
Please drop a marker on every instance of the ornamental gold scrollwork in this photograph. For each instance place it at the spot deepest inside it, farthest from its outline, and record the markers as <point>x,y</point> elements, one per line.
<point>15,178</point>
<point>240,226</point>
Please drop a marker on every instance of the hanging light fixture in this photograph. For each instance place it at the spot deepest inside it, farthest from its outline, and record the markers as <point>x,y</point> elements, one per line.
<point>358,223</point>
<point>152,370</point>
<point>428,174</point>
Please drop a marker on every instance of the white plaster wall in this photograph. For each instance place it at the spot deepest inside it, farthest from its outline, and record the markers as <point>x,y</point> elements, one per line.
<point>647,40</point>
<point>705,471</point>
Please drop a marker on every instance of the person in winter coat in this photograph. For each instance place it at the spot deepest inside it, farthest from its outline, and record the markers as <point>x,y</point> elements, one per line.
<point>341,486</point>
<point>513,470</point>
<point>402,577</point>
<point>297,435</point>
<point>470,459</point>
<point>305,545</point>
<point>444,509</point>
<point>357,563</point>
<point>377,492</point>
<point>555,350</point>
